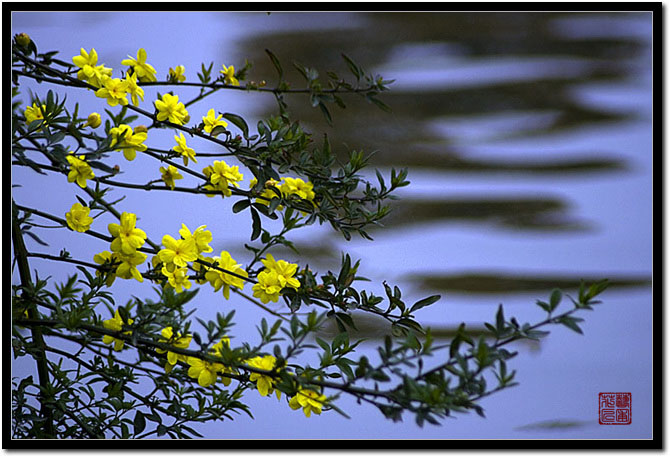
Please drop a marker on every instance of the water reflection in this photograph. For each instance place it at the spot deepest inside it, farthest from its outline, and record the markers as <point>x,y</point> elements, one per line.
<point>522,70</point>
<point>511,213</point>
<point>504,283</point>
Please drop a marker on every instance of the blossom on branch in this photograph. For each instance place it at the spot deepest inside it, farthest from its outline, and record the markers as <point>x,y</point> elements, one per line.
<point>89,71</point>
<point>80,171</point>
<point>78,219</point>
<point>229,75</point>
<point>114,90</point>
<point>127,141</point>
<point>222,176</point>
<point>185,151</point>
<point>169,174</point>
<point>116,324</point>
<point>212,120</point>
<point>309,401</point>
<point>219,279</point>
<point>171,109</point>
<point>144,71</point>
<point>33,113</point>
<point>127,237</point>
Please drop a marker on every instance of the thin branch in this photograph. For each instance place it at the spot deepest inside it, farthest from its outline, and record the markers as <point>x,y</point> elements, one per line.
<point>21,256</point>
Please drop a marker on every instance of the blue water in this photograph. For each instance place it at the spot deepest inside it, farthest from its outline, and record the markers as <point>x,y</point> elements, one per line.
<point>561,379</point>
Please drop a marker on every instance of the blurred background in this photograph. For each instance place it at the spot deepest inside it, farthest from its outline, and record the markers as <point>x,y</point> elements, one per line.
<point>528,140</point>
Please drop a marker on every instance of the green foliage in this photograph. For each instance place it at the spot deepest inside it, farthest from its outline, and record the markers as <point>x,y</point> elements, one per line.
<point>92,392</point>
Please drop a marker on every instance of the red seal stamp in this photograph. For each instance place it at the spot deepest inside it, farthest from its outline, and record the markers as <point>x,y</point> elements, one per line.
<point>614,408</point>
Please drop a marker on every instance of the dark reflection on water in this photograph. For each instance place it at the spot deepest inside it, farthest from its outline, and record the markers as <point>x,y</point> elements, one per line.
<point>404,138</point>
<point>555,424</point>
<point>512,213</point>
<point>477,52</point>
<point>500,283</point>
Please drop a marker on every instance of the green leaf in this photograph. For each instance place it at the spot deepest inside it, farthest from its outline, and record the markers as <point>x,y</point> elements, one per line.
<point>571,323</point>
<point>455,344</point>
<point>544,305</point>
<point>482,351</point>
<point>238,121</point>
<point>500,319</point>
<point>555,299</point>
<point>302,70</point>
<point>383,106</point>
<point>139,423</point>
<point>597,288</point>
<point>241,205</point>
<point>346,319</point>
<point>276,63</point>
<point>344,272</point>
<point>342,339</point>
<point>36,238</point>
<point>274,203</point>
<point>424,302</point>
<point>323,344</point>
<point>326,113</point>
<point>101,166</point>
<point>353,68</point>
<point>256,224</point>
<point>218,130</point>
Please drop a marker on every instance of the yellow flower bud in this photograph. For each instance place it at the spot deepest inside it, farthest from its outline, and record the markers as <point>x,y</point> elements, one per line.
<point>94,120</point>
<point>141,129</point>
<point>23,40</point>
<point>187,118</point>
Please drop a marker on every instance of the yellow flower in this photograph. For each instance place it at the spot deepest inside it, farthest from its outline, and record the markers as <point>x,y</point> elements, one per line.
<point>185,151</point>
<point>133,89</point>
<point>93,120</point>
<point>309,401</point>
<point>85,59</point>
<point>127,238</point>
<point>229,75</point>
<point>80,171</point>
<point>268,287</point>
<point>33,113</point>
<point>114,90</point>
<point>177,75</point>
<point>128,267</point>
<point>264,383</point>
<point>92,73</point>
<point>170,108</point>
<point>78,219</point>
<point>144,71</point>
<point>218,278</point>
<point>211,121</point>
<point>178,278</point>
<point>106,257</point>
<point>116,324</point>
<point>222,176</point>
<point>296,186</point>
<point>201,237</point>
<point>125,140</point>
<point>178,252</point>
<point>178,341</point>
<point>204,371</point>
<point>169,174</point>
<point>285,271</point>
